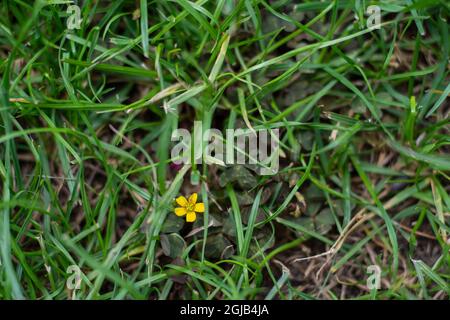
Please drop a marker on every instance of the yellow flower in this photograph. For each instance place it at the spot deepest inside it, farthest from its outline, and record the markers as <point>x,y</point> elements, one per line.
<point>189,207</point>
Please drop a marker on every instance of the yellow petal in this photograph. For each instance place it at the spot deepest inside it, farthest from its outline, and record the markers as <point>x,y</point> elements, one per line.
<point>193,198</point>
<point>180,211</point>
<point>191,216</point>
<point>199,207</point>
<point>182,201</point>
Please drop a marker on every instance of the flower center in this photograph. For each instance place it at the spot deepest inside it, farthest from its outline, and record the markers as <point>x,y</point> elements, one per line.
<point>190,207</point>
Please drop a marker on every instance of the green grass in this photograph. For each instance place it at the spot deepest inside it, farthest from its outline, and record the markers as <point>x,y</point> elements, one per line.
<point>87,177</point>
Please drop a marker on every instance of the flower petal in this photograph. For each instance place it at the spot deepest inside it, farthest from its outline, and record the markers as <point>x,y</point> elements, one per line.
<point>199,207</point>
<point>193,198</point>
<point>180,211</point>
<point>182,201</point>
<point>191,216</point>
